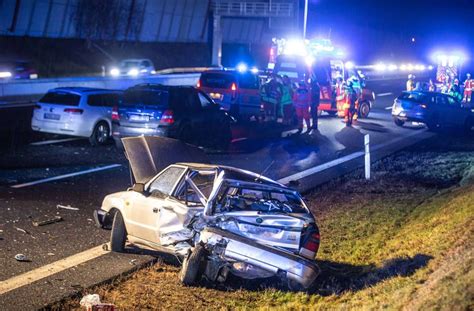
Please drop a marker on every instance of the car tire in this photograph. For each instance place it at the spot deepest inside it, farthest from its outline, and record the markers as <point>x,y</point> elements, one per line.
<point>398,122</point>
<point>433,124</point>
<point>100,134</point>
<point>118,234</point>
<point>223,137</point>
<point>364,110</point>
<point>468,126</point>
<point>193,266</point>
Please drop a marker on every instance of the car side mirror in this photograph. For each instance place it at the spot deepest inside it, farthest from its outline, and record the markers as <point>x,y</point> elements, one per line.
<point>138,187</point>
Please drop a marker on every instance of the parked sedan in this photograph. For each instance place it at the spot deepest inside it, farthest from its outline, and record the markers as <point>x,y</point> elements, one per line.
<point>180,112</point>
<point>219,219</point>
<point>17,70</point>
<point>436,110</point>
<point>76,111</point>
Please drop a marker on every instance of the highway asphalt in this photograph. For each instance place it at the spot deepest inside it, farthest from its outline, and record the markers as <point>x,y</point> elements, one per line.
<point>21,205</point>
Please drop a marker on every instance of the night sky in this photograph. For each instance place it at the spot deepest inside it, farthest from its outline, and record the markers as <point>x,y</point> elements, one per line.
<point>381,30</point>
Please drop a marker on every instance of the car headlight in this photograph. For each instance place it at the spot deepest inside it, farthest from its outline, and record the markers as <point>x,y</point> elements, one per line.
<point>5,74</point>
<point>133,72</point>
<point>114,72</point>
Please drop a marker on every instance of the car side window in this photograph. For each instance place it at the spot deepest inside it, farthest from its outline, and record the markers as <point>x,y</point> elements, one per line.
<point>204,181</point>
<point>441,100</point>
<point>193,104</point>
<point>95,100</point>
<point>165,182</point>
<point>205,102</point>
<point>452,102</point>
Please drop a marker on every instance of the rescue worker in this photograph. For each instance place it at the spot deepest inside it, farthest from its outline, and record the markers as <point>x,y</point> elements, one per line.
<point>468,88</point>
<point>302,102</point>
<point>350,106</point>
<point>431,86</point>
<point>315,98</point>
<point>418,87</point>
<point>410,83</point>
<point>287,100</point>
<point>455,90</point>
<point>271,95</point>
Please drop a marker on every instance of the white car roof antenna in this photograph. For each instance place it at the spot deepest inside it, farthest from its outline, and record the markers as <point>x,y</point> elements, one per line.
<point>264,171</point>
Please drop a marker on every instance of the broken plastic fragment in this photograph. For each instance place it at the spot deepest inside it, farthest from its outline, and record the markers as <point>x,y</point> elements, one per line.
<point>69,207</point>
<point>38,223</point>
<point>21,257</point>
<point>90,300</point>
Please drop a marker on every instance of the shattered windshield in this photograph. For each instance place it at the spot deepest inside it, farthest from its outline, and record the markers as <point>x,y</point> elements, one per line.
<point>233,198</point>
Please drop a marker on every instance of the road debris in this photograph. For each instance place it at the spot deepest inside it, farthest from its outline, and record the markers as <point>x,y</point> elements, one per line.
<point>21,257</point>
<point>105,247</point>
<point>39,223</point>
<point>133,262</point>
<point>68,207</point>
<point>22,230</point>
<point>92,303</point>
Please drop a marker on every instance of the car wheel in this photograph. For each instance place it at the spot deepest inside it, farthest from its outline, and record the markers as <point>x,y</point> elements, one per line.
<point>223,137</point>
<point>433,123</point>
<point>100,134</point>
<point>468,126</point>
<point>118,234</point>
<point>364,110</point>
<point>193,266</point>
<point>398,122</point>
<point>185,133</point>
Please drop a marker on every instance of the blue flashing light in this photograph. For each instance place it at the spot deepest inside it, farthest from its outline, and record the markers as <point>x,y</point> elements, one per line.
<point>241,67</point>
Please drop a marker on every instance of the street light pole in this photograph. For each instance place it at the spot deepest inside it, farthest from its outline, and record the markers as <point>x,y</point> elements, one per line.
<point>305,18</point>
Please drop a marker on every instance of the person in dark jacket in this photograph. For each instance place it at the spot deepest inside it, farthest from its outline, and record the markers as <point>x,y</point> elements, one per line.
<point>315,97</point>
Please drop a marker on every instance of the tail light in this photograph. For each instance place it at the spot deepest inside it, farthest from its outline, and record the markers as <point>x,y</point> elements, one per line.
<point>310,239</point>
<point>115,114</point>
<point>167,118</point>
<point>423,106</point>
<point>37,106</point>
<point>198,85</point>
<point>74,110</point>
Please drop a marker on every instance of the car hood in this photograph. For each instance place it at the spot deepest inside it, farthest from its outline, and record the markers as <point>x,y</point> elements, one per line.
<point>148,155</point>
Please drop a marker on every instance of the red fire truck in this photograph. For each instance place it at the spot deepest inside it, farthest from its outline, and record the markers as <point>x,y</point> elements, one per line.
<point>317,59</point>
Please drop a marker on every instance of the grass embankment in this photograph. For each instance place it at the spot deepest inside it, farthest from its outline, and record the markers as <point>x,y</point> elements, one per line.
<point>400,241</point>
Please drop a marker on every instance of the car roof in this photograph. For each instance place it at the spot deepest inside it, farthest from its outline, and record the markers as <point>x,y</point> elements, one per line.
<point>157,86</point>
<point>234,173</point>
<point>83,90</point>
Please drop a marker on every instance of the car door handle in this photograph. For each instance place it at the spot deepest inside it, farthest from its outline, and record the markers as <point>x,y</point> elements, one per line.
<point>155,210</point>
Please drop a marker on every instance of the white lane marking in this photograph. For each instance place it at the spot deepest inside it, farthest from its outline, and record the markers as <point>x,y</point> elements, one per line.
<point>74,260</point>
<point>341,160</point>
<point>384,94</point>
<point>92,170</point>
<point>238,139</point>
<point>389,108</point>
<point>54,141</point>
<point>50,269</point>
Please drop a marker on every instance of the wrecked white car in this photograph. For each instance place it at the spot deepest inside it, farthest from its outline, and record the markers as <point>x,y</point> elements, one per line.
<point>219,219</point>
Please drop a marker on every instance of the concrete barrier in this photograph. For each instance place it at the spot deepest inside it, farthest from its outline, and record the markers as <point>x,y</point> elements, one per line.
<point>11,89</point>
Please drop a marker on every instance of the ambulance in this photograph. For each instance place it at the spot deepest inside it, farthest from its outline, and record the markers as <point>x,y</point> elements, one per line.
<point>306,60</point>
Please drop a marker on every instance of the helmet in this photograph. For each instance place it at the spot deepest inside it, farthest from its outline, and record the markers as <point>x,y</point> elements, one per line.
<point>410,76</point>
<point>468,75</point>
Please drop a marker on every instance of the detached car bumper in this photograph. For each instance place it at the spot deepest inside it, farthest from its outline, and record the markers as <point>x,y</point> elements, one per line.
<point>240,249</point>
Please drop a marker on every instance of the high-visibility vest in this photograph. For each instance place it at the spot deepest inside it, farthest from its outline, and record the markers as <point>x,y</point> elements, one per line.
<point>301,98</point>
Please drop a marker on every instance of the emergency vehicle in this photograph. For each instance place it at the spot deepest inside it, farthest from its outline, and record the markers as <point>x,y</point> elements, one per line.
<point>318,59</point>
<point>236,90</point>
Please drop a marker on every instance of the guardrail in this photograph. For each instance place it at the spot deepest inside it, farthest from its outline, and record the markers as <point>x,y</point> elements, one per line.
<point>21,88</point>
